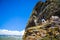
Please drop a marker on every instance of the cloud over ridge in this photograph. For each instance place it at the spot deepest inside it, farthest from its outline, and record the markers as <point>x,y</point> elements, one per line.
<point>8,32</point>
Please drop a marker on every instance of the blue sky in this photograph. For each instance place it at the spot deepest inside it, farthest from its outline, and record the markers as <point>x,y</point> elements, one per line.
<point>14,14</point>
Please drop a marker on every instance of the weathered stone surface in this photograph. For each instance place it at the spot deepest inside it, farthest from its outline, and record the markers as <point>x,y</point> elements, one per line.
<point>44,23</point>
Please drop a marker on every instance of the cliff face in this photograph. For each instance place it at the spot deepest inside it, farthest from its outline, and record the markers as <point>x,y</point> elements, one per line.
<point>44,23</point>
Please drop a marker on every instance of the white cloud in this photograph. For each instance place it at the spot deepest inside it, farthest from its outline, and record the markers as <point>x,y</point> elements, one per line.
<point>8,32</point>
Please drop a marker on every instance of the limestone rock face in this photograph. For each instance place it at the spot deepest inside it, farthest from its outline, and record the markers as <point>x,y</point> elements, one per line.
<point>44,22</point>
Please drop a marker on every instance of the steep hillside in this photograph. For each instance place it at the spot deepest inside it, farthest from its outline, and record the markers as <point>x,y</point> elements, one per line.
<point>44,23</point>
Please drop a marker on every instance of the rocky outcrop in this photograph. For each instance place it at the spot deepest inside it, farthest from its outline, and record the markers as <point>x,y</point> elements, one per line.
<point>44,23</point>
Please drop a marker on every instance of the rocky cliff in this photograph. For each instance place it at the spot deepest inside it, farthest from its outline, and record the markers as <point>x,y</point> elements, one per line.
<point>44,22</point>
